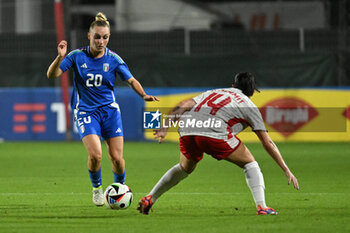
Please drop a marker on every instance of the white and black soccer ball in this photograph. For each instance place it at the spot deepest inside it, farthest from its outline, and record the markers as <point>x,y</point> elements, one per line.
<point>118,196</point>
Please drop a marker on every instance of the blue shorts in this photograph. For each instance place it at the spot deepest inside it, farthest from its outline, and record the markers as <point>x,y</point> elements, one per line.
<point>105,121</point>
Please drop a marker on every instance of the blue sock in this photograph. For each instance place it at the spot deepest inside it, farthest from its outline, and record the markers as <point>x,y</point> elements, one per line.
<point>95,178</point>
<point>119,178</point>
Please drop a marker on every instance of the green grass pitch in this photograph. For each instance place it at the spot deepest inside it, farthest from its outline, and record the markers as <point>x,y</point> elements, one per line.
<point>44,187</point>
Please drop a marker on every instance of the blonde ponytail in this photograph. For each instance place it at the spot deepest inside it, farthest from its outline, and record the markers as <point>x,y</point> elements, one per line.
<point>100,17</point>
<point>100,20</point>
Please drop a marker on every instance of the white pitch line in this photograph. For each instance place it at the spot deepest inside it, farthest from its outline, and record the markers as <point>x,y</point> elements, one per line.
<point>170,193</point>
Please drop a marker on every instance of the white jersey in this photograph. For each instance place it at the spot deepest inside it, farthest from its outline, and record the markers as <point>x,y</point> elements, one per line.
<point>221,114</point>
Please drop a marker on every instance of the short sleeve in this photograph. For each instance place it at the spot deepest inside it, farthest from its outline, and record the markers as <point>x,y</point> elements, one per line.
<point>199,98</point>
<point>254,118</point>
<point>66,63</point>
<point>124,72</point>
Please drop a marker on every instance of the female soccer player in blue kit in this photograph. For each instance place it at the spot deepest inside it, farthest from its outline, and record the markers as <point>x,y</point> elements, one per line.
<point>96,112</point>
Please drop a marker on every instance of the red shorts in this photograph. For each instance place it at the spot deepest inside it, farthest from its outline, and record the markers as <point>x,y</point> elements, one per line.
<point>193,147</point>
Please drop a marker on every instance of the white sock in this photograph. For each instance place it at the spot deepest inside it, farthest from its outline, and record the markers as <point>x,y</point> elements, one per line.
<point>255,181</point>
<point>171,178</point>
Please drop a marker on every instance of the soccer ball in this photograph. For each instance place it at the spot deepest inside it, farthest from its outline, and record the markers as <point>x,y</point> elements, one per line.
<point>118,196</point>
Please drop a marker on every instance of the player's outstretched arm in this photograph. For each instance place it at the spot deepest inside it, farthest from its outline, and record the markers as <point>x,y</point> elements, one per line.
<point>174,115</point>
<point>136,86</point>
<point>54,70</point>
<point>273,151</point>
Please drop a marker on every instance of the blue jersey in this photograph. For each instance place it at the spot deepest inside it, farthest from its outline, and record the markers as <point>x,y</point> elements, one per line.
<point>94,78</point>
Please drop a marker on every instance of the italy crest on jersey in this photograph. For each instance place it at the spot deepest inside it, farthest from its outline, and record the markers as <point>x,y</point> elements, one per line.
<point>82,129</point>
<point>105,67</point>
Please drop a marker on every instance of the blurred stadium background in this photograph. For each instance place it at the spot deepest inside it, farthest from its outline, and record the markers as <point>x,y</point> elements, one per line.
<point>299,50</point>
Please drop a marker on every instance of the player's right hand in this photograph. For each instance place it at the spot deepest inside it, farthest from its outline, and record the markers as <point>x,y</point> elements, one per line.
<point>160,134</point>
<point>62,48</point>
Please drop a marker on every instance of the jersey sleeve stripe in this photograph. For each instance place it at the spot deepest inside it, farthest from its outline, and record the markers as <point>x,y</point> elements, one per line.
<point>113,54</point>
<point>74,51</point>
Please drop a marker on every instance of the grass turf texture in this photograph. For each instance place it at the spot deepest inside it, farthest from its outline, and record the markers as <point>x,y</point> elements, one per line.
<point>45,188</point>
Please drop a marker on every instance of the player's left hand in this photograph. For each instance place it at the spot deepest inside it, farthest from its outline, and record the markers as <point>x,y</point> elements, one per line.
<point>160,134</point>
<point>150,98</point>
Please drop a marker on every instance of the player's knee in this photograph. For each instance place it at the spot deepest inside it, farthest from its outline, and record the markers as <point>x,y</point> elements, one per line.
<point>188,168</point>
<point>117,159</point>
<point>95,156</point>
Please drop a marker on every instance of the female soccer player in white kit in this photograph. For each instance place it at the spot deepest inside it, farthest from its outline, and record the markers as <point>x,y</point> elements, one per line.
<point>96,112</point>
<point>232,111</point>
